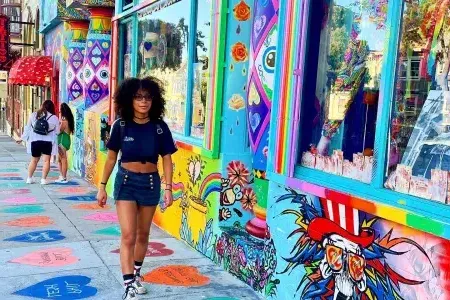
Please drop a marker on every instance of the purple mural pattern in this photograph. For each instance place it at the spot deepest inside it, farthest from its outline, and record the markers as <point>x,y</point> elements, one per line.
<point>96,68</point>
<point>260,86</point>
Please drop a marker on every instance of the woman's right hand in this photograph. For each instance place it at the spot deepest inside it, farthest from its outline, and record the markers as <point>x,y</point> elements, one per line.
<point>101,197</point>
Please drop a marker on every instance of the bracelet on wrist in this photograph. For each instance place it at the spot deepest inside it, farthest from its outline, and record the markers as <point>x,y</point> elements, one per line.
<point>103,183</point>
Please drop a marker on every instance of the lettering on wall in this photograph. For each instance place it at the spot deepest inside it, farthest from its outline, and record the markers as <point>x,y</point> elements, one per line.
<point>4,39</point>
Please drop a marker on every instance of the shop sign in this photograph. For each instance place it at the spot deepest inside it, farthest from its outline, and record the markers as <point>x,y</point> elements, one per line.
<point>4,40</point>
<point>156,7</point>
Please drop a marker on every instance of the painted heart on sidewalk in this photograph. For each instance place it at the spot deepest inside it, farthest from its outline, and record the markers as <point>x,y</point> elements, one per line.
<point>103,217</point>
<point>53,257</point>
<point>63,288</point>
<point>35,221</point>
<point>177,275</point>
<point>20,200</point>
<point>154,250</point>
<point>112,230</point>
<point>73,190</point>
<point>11,178</point>
<point>81,198</point>
<point>9,175</point>
<point>25,209</point>
<point>90,206</point>
<point>42,236</point>
<point>15,192</point>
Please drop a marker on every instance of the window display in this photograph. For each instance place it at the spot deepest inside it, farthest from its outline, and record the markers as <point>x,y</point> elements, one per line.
<point>343,70</point>
<point>163,52</point>
<point>127,40</point>
<point>419,148</point>
<point>201,68</point>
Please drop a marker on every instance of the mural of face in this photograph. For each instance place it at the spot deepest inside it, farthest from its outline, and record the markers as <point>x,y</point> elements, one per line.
<point>344,261</point>
<point>230,194</point>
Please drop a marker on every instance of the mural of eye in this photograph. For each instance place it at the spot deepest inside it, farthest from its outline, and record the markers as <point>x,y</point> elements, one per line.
<point>103,75</point>
<point>269,59</point>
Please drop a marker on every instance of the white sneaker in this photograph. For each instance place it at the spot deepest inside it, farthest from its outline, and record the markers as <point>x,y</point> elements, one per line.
<point>130,293</point>
<point>44,181</point>
<point>30,180</point>
<point>140,289</point>
<point>61,180</point>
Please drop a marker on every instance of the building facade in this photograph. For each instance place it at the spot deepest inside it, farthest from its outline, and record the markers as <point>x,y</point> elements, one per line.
<point>312,154</point>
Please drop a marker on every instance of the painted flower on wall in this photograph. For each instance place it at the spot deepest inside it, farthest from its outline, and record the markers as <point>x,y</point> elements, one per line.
<point>239,52</point>
<point>242,11</point>
<point>236,102</point>
<point>249,199</point>
<point>237,173</point>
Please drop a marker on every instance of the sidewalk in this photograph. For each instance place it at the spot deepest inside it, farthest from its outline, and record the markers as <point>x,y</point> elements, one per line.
<point>57,244</point>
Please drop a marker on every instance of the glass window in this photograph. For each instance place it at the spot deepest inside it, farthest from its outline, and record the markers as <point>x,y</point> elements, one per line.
<point>126,3</point>
<point>419,148</point>
<point>127,41</point>
<point>163,52</point>
<point>201,67</point>
<point>342,82</point>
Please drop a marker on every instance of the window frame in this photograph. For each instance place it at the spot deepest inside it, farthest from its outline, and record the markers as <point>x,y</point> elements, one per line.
<point>209,145</point>
<point>284,167</point>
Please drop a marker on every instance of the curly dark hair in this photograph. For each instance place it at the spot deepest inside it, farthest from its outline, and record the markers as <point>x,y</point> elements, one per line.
<point>66,112</point>
<point>128,89</point>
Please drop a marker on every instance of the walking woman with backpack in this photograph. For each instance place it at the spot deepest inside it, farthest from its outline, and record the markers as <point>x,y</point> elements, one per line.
<point>141,136</point>
<point>40,134</point>
<point>67,127</point>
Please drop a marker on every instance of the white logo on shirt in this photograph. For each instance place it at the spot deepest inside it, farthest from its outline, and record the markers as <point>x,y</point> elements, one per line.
<point>128,139</point>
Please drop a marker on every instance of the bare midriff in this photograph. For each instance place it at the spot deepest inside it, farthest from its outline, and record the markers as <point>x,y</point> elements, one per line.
<point>138,167</point>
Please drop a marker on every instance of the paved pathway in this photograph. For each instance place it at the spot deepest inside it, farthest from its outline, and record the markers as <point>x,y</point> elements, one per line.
<point>56,244</point>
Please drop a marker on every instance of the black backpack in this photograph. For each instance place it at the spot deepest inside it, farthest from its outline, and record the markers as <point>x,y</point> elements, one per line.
<point>41,126</point>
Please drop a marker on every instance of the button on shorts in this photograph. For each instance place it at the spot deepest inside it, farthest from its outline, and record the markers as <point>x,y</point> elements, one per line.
<point>144,188</point>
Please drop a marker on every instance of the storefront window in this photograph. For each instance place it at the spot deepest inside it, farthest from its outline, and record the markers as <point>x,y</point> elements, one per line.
<point>419,148</point>
<point>127,40</point>
<point>163,53</point>
<point>126,4</point>
<point>201,68</point>
<point>342,82</point>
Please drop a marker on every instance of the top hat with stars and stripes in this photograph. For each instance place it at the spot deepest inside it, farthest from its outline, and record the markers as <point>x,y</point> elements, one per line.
<point>341,220</point>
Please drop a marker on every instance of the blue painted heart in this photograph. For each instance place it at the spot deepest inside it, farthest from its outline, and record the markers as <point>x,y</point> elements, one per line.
<point>42,236</point>
<point>255,120</point>
<point>81,198</point>
<point>148,46</point>
<point>96,51</point>
<point>63,287</point>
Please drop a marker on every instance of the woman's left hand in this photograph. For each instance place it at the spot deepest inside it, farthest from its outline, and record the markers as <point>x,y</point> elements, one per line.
<point>168,198</point>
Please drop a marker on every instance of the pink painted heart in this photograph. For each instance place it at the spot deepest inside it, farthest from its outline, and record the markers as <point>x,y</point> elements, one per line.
<point>154,249</point>
<point>73,190</point>
<point>9,175</point>
<point>20,200</point>
<point>53,257</point>
<point>103,217</point>
<point>15,192</point>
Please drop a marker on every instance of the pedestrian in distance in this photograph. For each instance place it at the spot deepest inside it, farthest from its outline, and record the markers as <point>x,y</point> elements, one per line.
<point>40,134</point>
<point>67,127</point>
<point>141,136</point>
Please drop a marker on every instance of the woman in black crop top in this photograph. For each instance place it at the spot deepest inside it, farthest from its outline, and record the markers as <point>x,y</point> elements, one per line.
<point>141,136</point>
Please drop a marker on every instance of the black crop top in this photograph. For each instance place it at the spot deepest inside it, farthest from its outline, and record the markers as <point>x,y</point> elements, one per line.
<point>141,142</point>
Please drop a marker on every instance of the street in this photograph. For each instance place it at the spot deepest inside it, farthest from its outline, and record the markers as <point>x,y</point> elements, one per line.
<point>57,244</point>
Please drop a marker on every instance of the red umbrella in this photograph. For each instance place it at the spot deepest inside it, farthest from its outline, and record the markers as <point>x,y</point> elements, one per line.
<point>31,70</point>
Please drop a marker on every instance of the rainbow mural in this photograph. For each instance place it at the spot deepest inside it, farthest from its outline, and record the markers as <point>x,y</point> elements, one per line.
<point>212,183</point>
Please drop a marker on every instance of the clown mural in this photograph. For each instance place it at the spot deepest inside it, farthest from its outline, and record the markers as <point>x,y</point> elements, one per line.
<point>343,252</point>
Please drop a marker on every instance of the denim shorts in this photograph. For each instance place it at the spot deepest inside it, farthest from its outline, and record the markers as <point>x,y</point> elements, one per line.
<point>144,188</point>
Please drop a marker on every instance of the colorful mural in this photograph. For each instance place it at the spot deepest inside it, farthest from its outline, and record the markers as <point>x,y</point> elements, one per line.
<point>96,60</point>
<point>74,74</point>
<point>332,251</point>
